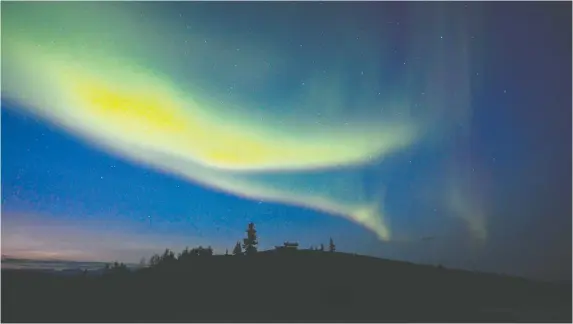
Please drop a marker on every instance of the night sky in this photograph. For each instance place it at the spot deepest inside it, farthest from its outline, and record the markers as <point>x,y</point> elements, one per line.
<point>427,132</point>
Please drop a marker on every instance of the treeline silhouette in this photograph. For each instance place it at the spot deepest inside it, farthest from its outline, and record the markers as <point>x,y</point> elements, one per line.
<point>188,256</point>
<point>285,284</point>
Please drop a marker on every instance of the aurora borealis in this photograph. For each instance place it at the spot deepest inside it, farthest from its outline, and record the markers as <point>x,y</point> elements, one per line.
<point>313,109</point>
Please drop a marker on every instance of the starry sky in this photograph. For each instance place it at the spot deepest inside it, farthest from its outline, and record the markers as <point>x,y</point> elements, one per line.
<point>426,132</point>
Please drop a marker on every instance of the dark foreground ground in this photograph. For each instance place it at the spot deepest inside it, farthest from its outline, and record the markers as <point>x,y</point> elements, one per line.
<point>306,287</point>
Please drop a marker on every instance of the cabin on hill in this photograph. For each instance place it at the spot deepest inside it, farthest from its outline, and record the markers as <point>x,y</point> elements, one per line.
<point>286,247</point>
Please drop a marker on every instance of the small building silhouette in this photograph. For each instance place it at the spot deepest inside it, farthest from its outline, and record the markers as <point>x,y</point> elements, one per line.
<point>287,246</point>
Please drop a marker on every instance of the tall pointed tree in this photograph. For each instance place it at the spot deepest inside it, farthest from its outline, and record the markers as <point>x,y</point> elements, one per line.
<point>250,242</point>
<point>331,246</point>
<point>237,250</point>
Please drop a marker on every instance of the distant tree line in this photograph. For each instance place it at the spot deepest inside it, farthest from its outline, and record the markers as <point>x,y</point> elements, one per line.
<point>331,247</point>
<point>168,258</point>
<point>115,268</point>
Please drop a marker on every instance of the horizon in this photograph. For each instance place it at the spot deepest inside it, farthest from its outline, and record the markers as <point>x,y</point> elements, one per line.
<point>85,265</point>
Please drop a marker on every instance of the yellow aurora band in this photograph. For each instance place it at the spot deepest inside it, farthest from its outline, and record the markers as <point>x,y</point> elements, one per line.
<point>84,68</point>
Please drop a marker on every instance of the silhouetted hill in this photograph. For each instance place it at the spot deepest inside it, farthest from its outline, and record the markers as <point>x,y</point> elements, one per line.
<point>292,286</point>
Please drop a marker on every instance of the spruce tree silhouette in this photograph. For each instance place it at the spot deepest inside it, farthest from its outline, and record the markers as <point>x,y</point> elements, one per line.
<point>183,255</point>
<point>167,259</point>
<point>250,242</point>
<point>331,246</point>
<point>237,250</point>
<point>168,256</point>
<point>321,247</point>
<point>154,260</point>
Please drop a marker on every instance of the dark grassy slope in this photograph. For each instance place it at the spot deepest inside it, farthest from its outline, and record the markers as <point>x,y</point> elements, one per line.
<point>306,286</point>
